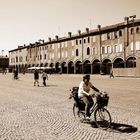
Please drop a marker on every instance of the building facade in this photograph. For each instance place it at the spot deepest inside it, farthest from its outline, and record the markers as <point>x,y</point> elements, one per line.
<point>93,51</point>
<point>4,63</point>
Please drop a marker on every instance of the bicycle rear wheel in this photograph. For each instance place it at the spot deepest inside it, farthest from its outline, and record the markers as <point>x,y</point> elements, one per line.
<point>102,118</point>
<point>78,114</point>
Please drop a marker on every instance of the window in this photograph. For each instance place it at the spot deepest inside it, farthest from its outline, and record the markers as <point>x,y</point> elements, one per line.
<point>77,53</point>
<point>137,45</point>
<point>16,59</point>
<point>76,42</point>
<point>103,50</point>
<point>44,56</point>
<point>131,31</point>
<point>121,48</point>
<point>103,37</point>
<point>117,48</point>
<point>93,50</point>
<point>80,41</point>
<point>131,46</point>
<point>40,57</point>
<point>109,49</point>
<point>137,30</point>
<point>115,34</point>
<point>58,54</point>
<point>20,59</point>
<point>88,39</point>
<point>120,33</point>
<point>84,40</point>
<point>108,36</point>
<point>88,51</point>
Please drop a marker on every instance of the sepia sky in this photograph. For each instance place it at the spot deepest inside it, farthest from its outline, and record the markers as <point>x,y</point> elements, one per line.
<point>27,21</point>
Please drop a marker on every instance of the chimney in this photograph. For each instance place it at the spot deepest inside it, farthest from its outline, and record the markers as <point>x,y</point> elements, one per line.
<point>69,33</point>
<point>56,37</point>
<point>87,30</point>
<point>99,27</point>
<point>79,32</point>
<point>50,39</point>
<point>126,19</point>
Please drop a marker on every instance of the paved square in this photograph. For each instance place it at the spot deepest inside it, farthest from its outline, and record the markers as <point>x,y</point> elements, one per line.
<point>45,113</point>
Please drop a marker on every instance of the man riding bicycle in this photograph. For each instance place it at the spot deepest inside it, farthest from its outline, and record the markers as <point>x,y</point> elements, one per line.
<point>83,94</point>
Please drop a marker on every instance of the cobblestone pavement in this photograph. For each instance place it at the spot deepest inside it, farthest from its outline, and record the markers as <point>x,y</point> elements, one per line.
<point>45,113</point>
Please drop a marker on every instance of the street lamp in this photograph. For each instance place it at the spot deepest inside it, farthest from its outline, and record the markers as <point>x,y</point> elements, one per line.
<point>132,19</point>
<point>100,45</point>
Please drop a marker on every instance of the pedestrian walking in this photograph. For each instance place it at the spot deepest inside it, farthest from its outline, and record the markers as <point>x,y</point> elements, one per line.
<point>44,76</point>
<point>15,73</point>
<point>36,78</point>
<point>111,73</point>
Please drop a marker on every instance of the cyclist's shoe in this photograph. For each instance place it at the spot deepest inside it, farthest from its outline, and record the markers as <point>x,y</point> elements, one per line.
<point>87,118</point>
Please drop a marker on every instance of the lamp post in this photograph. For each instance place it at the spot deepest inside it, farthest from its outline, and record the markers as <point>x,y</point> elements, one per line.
<point>132,19</point>
<point>100,45</point>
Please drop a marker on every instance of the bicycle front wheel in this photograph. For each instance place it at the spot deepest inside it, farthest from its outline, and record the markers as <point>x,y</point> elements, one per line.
<point>102,118</point>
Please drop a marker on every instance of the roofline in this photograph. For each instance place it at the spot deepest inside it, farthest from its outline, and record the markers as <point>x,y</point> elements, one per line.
<point>92,32</point>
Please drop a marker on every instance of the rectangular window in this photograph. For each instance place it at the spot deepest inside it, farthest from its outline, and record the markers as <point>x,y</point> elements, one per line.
<point>93,50</point>
<point>109,49</point>
<point>84,40</point>
<point>103,50</point>
<point>76,42</point>
<point>121,47</point>
<point>131,46</point>
<point>137,45</point>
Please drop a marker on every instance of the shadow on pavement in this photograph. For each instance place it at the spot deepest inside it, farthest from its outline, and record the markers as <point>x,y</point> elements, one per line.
<point>123,128</point>
<point>117,127</point>
<point>48,86</point>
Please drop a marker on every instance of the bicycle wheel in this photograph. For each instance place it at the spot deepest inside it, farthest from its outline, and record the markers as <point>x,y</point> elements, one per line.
<point>78,114</point>
<point>102,118</point>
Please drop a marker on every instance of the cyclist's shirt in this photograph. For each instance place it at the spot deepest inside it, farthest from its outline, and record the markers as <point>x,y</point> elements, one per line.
<point>84,89</point>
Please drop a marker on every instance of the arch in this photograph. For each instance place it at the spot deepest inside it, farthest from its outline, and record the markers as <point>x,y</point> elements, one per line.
<point>96,66</point>
<point>41,65</point>
<point>29,65</point>
<point>51,64</point>
<point>78,67</point>
<point>118,63</point>
<point>57,67</point>
<point>64,67</point>
<point>131,62</point>
<point>70,67</point>
<point>106,66</point>
<point>46,64</point>
<point>25,65</point>
<point>87,67</point>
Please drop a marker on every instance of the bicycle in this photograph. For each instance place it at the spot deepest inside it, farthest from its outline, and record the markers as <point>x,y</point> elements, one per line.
<point>98,112</point>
